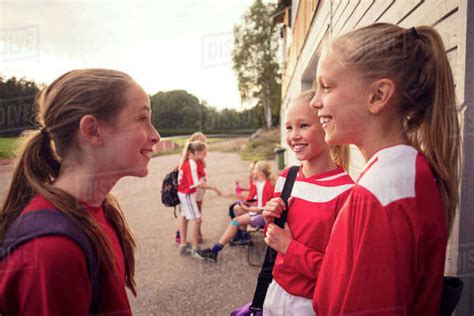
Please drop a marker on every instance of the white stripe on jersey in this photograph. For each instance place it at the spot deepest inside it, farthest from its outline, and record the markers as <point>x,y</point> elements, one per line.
<point>334,177</point>
<point>312,192</point>
<point>392,176</point>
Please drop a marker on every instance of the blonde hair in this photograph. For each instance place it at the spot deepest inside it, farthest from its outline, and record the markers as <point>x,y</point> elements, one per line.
<point>415,59</point>
<point>198,136</point>
<point>265,167</point>
<point>97,92</point>
<point>191,147</point>
<point>340,154</point>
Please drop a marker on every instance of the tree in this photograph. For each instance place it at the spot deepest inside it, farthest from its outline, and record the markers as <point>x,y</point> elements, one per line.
<point>254,60</point>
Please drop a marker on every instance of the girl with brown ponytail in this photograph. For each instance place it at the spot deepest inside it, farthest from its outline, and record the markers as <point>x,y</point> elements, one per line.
<point>95,129</point>
<point>390,92</point>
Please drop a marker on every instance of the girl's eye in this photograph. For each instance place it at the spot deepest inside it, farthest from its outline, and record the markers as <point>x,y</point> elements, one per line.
<point>304,125</point>
<point>289,128</point>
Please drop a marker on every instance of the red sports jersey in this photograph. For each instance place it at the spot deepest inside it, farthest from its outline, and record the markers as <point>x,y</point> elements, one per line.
<point>48,275</point>
<point>317,201</point>
<point>200,169</point>
<point>252,192</point>
<point>267,193</point>
<point>387,249</point>
<point>188,177</point>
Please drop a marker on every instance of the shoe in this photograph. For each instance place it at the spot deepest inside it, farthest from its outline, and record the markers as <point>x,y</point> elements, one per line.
<point>242,242</point>
<point>177,238</point>
<point>235,241</point>
<point>196,253</point>
<point>208,254</point>
<point>185,250</point>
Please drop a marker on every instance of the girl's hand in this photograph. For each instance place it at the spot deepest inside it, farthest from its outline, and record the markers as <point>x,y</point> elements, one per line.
<point>217,191</point>
<point>273,209</point>
<point>277,238</point>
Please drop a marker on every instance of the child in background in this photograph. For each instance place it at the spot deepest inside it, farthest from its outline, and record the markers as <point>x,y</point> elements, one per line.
<point>201,165</point>
<point>319,191</point>
<point>390,91</point>
<point>188,183</point>
<point>252,215</point>
<point>95,129</point>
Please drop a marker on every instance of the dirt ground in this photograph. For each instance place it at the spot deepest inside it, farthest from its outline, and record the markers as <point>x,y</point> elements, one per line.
<point>167,283</point>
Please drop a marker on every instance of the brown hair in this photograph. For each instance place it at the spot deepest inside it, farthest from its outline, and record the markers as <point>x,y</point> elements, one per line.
<point>191,147</point>
<point>340,154</point>
<point>98,92</point>
<point>415,59</point>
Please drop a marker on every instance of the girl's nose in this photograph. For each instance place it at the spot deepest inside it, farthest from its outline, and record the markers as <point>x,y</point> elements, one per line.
<point>155,136</point>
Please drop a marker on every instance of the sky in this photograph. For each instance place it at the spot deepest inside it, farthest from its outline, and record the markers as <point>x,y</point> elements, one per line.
<point>163,44</point>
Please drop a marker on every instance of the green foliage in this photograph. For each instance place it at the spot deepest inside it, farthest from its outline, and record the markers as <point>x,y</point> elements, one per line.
<point>7,147</point>
<point>17,106</point>
<point>178,112</point>
<point>254,61</point>
<point>261,148</point>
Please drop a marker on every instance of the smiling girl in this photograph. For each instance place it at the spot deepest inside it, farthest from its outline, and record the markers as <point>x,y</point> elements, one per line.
<point>319,191</point>
<point>390,91</point>
<point>95,129</point>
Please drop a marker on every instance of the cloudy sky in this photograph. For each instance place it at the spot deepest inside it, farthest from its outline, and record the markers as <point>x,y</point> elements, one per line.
<point>163,44</point>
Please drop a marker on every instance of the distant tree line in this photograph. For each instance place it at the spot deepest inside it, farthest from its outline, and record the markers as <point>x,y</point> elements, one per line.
<point>17,106</point>
<point>175,112</point>
<point>179,112</point>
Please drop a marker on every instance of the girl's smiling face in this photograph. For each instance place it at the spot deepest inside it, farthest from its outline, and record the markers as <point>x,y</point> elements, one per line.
<point>130,139</point>
<point>341,101</point>
<point>304,134</point>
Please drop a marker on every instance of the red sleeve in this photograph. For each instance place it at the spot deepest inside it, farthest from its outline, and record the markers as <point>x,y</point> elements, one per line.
<point>370,260</point>
<point>46,276</point>
<point>303,259</point>
<point>252,192</point>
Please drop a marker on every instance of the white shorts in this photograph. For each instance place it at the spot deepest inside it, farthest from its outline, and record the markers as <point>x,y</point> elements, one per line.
<point>188,205</point>
<point>200,194</point>
<point>279,302</point>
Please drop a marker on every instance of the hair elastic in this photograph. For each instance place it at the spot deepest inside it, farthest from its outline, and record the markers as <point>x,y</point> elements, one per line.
<point>414,32</point>
<point>44,131</point>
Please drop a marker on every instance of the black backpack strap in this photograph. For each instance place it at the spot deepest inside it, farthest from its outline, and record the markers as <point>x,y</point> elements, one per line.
<point>265,276</point>
<point>48,222</point>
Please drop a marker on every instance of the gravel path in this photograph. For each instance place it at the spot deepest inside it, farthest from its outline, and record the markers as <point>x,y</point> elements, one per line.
<point>167,283</point>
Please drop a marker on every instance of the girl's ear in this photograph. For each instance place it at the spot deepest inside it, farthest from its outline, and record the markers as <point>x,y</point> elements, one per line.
<point>380,94</point>
<point>90,130</point>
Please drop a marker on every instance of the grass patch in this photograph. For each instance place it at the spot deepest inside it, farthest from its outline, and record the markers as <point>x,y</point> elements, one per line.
<point>262,147</point>
<point>7,147</point>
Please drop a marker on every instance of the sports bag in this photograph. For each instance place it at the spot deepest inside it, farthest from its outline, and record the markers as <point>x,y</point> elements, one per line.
<point>47,222</point>
<point>169,190</point>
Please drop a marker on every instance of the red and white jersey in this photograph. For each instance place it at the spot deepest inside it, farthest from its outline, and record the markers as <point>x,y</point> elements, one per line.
<point>188,177</point>
<point>387,249</point>
<point>316,203</point>
<point>265,194</point>
<point>200,169</point>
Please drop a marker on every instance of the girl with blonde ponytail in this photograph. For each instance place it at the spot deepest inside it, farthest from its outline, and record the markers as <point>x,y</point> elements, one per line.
<point>95,129</point>
<point>390,92</point>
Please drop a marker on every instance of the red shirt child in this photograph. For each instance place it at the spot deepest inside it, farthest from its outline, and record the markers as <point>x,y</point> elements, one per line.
<point>56,266</point>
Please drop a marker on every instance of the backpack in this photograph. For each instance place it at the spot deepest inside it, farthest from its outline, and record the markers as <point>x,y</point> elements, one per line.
<point>47,222</point>
<point>169,190</point>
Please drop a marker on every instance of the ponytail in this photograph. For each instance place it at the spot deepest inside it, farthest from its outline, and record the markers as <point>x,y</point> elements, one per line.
<point>190,147</point>
<point>415,59</point>
<point>438,134</point>
<point>97,92</point>
<point>341,155</point>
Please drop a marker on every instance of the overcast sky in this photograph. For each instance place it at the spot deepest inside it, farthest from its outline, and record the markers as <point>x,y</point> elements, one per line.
<point>163,44</point>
